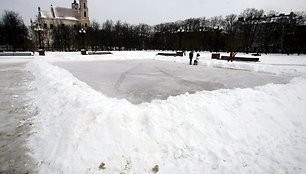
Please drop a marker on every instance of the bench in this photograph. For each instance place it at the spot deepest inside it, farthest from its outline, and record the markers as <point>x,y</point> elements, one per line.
<point>99,52</point>
<point>16,54</point>
<point>248,59</point>
<point>166,54</point>
<point>180,53</point>
<point>256,54</point>
<point>215,55</point>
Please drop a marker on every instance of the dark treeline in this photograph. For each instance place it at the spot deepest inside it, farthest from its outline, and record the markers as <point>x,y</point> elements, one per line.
<point>251,31</point>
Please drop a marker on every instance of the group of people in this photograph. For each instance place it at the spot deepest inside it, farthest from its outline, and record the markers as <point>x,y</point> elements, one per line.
<point>196,60</point>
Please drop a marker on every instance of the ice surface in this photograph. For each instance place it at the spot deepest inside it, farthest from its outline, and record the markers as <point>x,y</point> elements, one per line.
<point>145,80</point>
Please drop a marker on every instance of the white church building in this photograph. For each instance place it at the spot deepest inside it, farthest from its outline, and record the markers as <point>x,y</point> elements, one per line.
<point>77,16</point>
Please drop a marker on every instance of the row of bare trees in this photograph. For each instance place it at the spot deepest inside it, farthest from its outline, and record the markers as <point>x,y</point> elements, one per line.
<point>251,31</point>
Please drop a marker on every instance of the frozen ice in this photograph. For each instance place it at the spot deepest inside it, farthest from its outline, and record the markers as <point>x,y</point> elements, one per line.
<point>145,80</point>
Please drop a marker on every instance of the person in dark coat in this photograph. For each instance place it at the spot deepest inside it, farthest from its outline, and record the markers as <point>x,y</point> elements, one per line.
<point>196,61</point>
<point>190,57</point>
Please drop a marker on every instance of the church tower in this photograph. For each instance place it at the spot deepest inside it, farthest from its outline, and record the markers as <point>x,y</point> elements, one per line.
<point>83,9</point>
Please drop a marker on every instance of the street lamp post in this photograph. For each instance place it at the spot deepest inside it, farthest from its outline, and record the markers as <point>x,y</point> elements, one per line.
<point>180,52</point>
<point>41,50</point>
<point>180,30</point>
<point>202,30</point>
<point>83,32</point>
<point>216,55</point>
<point>217,30</point>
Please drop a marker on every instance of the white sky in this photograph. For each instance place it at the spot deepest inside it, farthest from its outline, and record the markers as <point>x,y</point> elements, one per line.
<point>154,11</point>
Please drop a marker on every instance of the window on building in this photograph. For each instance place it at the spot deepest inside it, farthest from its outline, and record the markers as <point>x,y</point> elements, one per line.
<point>74,26</point>
<point>84,14</point>
<point>45,26</point>
<point>51,26</point>
<point>84,5</point>
<point>85,25</point>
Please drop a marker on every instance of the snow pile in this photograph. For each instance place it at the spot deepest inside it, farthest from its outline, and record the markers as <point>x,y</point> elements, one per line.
<point>79,130</point>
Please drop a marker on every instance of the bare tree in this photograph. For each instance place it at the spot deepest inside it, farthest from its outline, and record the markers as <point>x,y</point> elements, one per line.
<point>249,26</point>
<point>13,30</point>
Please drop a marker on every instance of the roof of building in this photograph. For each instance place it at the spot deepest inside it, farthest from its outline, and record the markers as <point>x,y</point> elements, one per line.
<point>66,13</point>
<point>45,14</point>
<point>61,13</point>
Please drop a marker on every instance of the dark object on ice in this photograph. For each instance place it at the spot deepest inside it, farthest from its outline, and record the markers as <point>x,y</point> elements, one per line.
<point>16,54</point>
<point>215,55</point>
<point>102,166</point>
<point>155,169</point>
<point>179,53</point>
<point>83,51</point>
<point>41,52</point>
<point>190,57</point>
<point>249,59</point>
<point>99,52</point>
<point>256,54</point>
<point>166,54</point>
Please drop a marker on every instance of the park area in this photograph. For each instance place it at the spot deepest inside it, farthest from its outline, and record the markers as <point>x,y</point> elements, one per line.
<point>138,112</point>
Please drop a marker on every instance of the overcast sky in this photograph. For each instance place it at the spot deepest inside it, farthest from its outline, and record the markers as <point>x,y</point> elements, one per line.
<point>154,11</point>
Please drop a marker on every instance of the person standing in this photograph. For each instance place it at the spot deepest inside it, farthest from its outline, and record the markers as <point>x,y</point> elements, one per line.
<point>190,57</point>
<point>196,61</point>
<point>232,55</point>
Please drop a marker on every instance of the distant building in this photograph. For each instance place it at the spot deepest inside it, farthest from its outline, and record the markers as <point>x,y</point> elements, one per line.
<point>76,16</point>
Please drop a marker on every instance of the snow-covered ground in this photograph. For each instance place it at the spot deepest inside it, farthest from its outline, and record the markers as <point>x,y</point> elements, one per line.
<point>251,130</point>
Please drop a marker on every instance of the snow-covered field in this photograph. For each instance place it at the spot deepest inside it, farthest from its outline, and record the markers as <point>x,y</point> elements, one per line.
<point>253,130</point>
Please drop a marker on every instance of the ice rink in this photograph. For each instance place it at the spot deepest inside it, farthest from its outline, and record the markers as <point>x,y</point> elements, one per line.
<point>145,80</point>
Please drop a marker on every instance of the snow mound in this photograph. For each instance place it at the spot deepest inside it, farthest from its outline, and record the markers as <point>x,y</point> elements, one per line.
<point>79,130</point>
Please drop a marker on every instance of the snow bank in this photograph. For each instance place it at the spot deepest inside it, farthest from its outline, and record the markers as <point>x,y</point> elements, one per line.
<point>78,129</point>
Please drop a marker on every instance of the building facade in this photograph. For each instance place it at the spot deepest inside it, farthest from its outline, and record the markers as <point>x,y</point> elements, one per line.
<point>77,16</point>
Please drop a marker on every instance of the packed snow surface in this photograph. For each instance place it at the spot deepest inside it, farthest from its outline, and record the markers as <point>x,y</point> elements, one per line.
<point>251,130</point>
